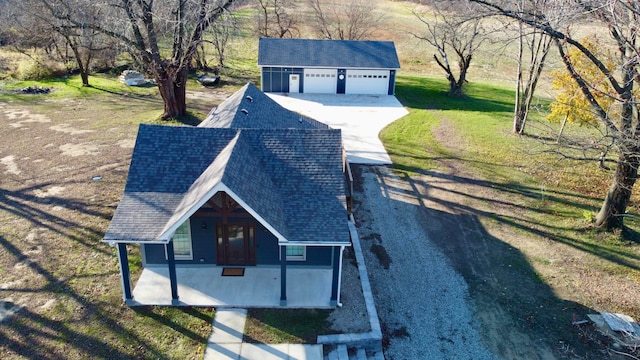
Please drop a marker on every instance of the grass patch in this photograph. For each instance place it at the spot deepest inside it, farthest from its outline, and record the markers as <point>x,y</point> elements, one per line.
<point>275,326</point>
<point>71,87</point>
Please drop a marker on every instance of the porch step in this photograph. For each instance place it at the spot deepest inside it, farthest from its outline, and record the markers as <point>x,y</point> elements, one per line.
<point>341,352</point>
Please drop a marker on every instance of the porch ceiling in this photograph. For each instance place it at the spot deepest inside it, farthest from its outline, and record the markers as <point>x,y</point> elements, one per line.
<point>258,288</point>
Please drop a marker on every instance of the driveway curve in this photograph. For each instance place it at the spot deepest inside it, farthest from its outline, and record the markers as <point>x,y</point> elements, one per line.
<point>360,117</point>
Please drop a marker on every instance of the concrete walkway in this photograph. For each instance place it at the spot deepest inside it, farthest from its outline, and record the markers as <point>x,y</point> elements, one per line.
<point>226,343</point>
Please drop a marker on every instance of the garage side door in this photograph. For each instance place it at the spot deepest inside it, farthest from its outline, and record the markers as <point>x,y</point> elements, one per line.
<point>367,82</point>
<point>320,81</point>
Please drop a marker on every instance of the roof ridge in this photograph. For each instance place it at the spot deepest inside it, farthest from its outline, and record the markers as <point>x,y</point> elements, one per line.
<point>207,181</point>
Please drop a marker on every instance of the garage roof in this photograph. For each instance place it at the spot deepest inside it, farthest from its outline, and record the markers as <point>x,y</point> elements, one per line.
<point>328,53</point>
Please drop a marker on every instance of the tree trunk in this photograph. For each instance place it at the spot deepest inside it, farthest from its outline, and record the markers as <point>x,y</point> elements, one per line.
<point>564,123</point>
<point>83,66</point>
<point>172,87</point>
<point>455,89</point>
<point>84,75</point>
<point>614,207</point>
<point>518,119</point>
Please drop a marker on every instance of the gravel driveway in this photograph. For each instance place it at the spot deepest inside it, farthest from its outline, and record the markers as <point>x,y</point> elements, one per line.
<point>422,302</point>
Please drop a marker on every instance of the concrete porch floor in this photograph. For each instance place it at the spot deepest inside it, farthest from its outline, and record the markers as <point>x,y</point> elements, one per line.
<point>258,288</point>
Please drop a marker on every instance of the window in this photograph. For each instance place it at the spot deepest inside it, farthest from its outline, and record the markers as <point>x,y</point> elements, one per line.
<point>296,253</point>
<point>182,242</point>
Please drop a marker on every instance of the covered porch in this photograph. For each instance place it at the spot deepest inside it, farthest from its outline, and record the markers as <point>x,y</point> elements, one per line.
<point>259,287</point>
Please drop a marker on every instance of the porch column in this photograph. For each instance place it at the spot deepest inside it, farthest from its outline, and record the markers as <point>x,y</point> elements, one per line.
<point>171,261</point>
<point>335,282</point>
<point>283,276</point>
<point>125,275</point>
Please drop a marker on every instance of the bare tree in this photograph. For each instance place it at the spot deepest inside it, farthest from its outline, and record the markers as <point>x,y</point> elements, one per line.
<point>222,31</point>
<point>25,33</point>
<point>619,123</point>
<point>142,25</point>
<point>276,18</point>
<point>346,20</point>
<point>456,33</point>
<point>533,48</point>
<point>37,26</point>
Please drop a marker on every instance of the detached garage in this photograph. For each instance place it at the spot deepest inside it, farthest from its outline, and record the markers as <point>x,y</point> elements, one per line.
<point>328,66</point>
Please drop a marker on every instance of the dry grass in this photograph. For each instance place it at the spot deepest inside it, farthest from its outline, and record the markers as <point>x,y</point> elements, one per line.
<point>62,283</point>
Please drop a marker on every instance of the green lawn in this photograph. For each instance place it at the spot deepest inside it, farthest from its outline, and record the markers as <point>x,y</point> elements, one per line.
<point>564,194</point>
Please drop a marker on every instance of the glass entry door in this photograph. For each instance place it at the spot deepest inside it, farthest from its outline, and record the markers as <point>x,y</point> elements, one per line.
<point>236,244</point>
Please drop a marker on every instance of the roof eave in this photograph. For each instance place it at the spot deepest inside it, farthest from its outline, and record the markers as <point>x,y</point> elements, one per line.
<point>132,241</point>
<point>332,67</point>
<point>315,243</point>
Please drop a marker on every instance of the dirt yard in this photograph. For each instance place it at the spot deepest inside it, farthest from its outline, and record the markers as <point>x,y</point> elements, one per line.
<point>63,166</point>
<point>525,287</point>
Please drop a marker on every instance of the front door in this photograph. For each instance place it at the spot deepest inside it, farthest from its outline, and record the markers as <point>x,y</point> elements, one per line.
<point>235,244</point>
<point>294,83</point>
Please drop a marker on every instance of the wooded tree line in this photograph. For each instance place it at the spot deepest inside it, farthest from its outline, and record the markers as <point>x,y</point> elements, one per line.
<point>597,88</point>
<point>166,39</point>
<point>600,81</point>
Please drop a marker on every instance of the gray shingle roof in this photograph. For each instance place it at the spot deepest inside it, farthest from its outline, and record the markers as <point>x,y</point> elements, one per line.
<point>328,53</point>
<point>291,178</point>
<point>250,108</point>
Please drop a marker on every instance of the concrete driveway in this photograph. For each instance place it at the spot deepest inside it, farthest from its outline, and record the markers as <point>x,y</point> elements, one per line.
<point>361,117</point>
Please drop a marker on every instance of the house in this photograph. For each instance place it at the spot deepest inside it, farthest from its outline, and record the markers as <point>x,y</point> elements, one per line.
<point>328,66</point>
<point>267,205</point>
<point>250,108</point>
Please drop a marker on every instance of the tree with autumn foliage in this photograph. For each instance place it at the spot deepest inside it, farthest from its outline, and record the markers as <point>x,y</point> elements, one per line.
<point>610,88</point>
<point>570,104</point>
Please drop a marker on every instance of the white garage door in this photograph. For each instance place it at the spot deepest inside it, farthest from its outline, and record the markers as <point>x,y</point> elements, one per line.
<point>367,82</point>
<point>320,81</point>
